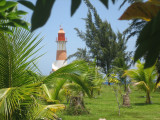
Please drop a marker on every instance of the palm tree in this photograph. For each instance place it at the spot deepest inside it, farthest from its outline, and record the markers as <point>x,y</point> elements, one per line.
<point>93,78</point>
<point>23,94</point>
<point>16,56</point>
<point>67,74</point>
<point>19,85</point>
<point>143,78</point>
<point>69,78</point>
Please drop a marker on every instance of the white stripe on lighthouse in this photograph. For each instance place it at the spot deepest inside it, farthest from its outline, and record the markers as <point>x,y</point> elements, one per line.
<point>61,45</point>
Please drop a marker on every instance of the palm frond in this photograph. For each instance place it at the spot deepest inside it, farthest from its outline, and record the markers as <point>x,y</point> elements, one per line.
<point>58,86</point>
<point>69,72</point>
<point>76,67</point>
<point>144,78</point>
<point>10,98</point>
<point>46,111</point>
<point>16,55</point>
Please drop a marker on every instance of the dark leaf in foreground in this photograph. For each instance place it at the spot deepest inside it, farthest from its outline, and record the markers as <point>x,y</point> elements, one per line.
<point>41,13</point>
<point>27,4</point>
<point>74,6</point>
<point>105,2</point>
<point>148,42</point>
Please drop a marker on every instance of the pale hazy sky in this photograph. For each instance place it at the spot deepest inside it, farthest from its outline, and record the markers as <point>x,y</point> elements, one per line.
<point>61,16</point>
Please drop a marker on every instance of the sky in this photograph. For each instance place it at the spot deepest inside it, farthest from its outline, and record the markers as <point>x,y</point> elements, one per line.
<point>60,16</point>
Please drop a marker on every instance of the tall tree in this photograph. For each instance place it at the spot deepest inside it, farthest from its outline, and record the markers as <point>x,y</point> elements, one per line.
<point>123,59</point>
<point>81,54</point>
<point>100,39</point>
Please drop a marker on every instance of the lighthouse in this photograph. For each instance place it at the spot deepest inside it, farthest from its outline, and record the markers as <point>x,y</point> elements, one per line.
<point>61,51</point>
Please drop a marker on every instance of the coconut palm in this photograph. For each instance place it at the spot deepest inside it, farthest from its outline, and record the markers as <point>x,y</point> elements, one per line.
<point>85,78</point>
<point>20,88</point>
<point>16,56</point>
<point>143,78</point>
<point>66,74</point>
<point>93,78</point>
<point>69,78</point>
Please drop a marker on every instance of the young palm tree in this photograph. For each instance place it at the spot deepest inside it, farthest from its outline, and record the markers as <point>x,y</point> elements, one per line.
<point>143,78</point>
<point>19,85</point>
<point>68,73</point>
<point>16,56</point>
<point>93,78</point>
<point>69,78</point>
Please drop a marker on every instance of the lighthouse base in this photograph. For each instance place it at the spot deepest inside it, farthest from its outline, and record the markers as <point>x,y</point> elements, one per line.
<point>58,64</point>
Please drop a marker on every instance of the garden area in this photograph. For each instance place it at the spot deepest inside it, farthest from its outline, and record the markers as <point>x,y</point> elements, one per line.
<point>105,81</point>
<point>105,106</point>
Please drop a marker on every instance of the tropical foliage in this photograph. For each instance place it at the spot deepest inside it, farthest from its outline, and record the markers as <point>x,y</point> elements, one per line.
<point>147,42</point>
<point>20,87</point>
<point>14,53</point>
<point>11,17</point>
<point>26,94</point>
<point>42,10</point>
<point>143,78</point>
<point>81,54</point>
<point>103,43</point>
<point>87,79</point>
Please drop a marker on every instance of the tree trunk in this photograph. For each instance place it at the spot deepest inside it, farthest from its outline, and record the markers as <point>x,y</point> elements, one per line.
<point>108,81</point>
<point>126,100</point>
<point>125,85</point>
<point>116,94</point>
<point>76,102</point>
<point>91,92</point>
<point>99,91</point>
<point>77,106</point>
<point>148,98</point>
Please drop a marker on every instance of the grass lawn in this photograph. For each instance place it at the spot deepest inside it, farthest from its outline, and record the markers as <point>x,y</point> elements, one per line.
<point>105,106</point>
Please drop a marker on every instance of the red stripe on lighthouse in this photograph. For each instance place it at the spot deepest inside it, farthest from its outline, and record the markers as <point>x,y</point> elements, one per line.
<point>61,55</point>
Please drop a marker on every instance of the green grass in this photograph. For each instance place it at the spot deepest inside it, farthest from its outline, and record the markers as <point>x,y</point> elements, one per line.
<point>105,106</point>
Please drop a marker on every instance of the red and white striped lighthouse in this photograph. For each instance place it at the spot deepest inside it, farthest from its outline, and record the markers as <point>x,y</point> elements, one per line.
<point>61,51</point>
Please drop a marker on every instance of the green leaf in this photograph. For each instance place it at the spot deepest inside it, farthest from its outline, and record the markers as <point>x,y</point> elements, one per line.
<point>15,15</point>
<point>21,12</point>
<point>74,6</point>
<point>28,4</point>
<point>148,42</point>
<point>41,13</point>
<point>8,4</point>
<point>8,24</point>
<point>21,23</point>
<point>6,30</point>
<point>2,2</point>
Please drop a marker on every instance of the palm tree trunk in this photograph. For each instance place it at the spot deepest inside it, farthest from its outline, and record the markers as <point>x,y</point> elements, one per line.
<point>125,85</point>
<point>91,92</point>
<point>126,100</point>
<point>148,98</point>
<point>108,81</point>
<point>99,91</point>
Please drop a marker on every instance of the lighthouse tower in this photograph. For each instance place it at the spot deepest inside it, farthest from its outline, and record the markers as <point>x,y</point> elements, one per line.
<point>61,51</point>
